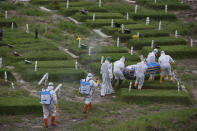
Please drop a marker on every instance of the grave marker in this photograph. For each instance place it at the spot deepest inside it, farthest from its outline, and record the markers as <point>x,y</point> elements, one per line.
<point>99,3</point>
<point>67,4</point>
<point>5,76</point>
<point>1,65</point>
<point>122,28</point>
<point>191,43</point>
<point>12,26</point>
<point>102,59</point>
<point>136,9</point>
<point>93,17</point>
<point>178,86</point>
<point>152,44</point>
<point>36,65</point>
<point>176,34</point>
<point>166,9</point>
<point>27,28</point>
<point>76,65</point>
<point>138,35</point>
<point>130,86</point>
<point>118,42</point>
<point>159,25</point>
<point>127,17</point>
<point>112,23</point>
<point>147,20</point>
<point>79,42</point>
<point>131,50</point>
<point>13,85</point>
<point>6,14</point>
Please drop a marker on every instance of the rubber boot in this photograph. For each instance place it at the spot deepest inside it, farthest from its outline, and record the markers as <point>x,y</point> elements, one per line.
<point>46,123</point>
<point>135,85</point>
<point>161,79</point>
<point>85,108</point>
<point>90,106</point>
<point>120,82</point>
<point>114,82</point>
<point>169,78</point>
<point>53,121</point>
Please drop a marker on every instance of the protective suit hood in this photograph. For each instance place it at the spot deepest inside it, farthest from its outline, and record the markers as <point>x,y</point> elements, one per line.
<point>122,59</point>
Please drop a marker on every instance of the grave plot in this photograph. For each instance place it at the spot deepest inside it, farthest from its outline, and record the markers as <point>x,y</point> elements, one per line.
<point>159,4</point>
<point>158,41</point>
<point>17,101</point>
<point>177,52</point>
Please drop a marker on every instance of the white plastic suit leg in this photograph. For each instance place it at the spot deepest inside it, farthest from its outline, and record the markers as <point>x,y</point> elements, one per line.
<point>109,86</point>
<point>104,84</point>
<point>88,98</point>
<point>140,81</point>
<point>49,110</point>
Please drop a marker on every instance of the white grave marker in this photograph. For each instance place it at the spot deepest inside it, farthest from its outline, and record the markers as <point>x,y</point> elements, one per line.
<point>89,51</point>
<point>99,3</point>
<point>166,9</point>
<point>5,76</point>
<point>159,25</point>
<point>102,59</point>
<point>130,86</point>
<point>6,14</point>
<point>79,43</point>
<point>118,42</point>
<point>191,43</point>
<point>27,28</point>
<point>131,50</point>
<point>76,65</point>
<point>136,9</point>
<point>152,44</point>
<point>93,17</point>
<point>12,26</point>
<point>178,86</point>
<point>67,4</point>
<point>1,62</point>
<point>13,85</point>
<point>112,23</point>
<point>147,20</point>
<point>155,1</point>
<point>122,28</point>
<point>176,34</point>
<point>36,65</point>
<point>43,78</point>
<point>182,1</point>
<point>138,35</point>
<point>127,17</point>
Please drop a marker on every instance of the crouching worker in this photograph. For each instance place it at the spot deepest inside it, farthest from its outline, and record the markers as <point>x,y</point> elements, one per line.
<point>87,87</point>
<point>140,74</point>
<point>49,103</point>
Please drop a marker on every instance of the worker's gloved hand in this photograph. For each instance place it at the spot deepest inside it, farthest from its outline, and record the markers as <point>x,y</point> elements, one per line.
<point>174,63</point>
<point>97,82</point>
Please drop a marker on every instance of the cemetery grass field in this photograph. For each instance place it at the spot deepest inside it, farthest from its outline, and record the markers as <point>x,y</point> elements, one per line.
<point>156,107</point>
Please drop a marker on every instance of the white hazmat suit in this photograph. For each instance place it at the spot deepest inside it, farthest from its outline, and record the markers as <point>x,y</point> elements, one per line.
<point>140,74</point>
<point>164,62</point>
<point>50,109</point>
<point>151,58</point>
<point>88,98</point>
<point>118,70</point>
<point>106,71</point>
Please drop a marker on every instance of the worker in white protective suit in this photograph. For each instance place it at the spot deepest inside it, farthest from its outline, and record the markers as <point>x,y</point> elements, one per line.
<point>118,71</point>
<point>151,58</point>
<point>88,98</point>
<point>106,71</point>
<point>164,62</point>
<point>50,109</point>
<point>140,71</point>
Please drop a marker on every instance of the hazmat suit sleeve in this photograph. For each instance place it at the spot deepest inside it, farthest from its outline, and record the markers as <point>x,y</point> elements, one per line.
<point>54,97</point>
<point>93,83</point>
<point>110,71</point>
<point>171,60</point>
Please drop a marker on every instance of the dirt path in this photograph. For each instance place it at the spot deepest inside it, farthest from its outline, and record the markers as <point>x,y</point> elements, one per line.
<point>24,84</point>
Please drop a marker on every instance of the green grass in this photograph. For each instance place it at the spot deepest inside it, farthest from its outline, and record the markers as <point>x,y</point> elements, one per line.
<point>178,51</point>
<point>158,41</point>
<point>106,22</point>
<point>10,77</point>
<point>7,22</point>
<point>55,74</point>
<point>154,96</point>
<point>182,119</point>
<point>114,56</point>
<point>49,64</point>
<point>82,17</point>
<point>143,33</point>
